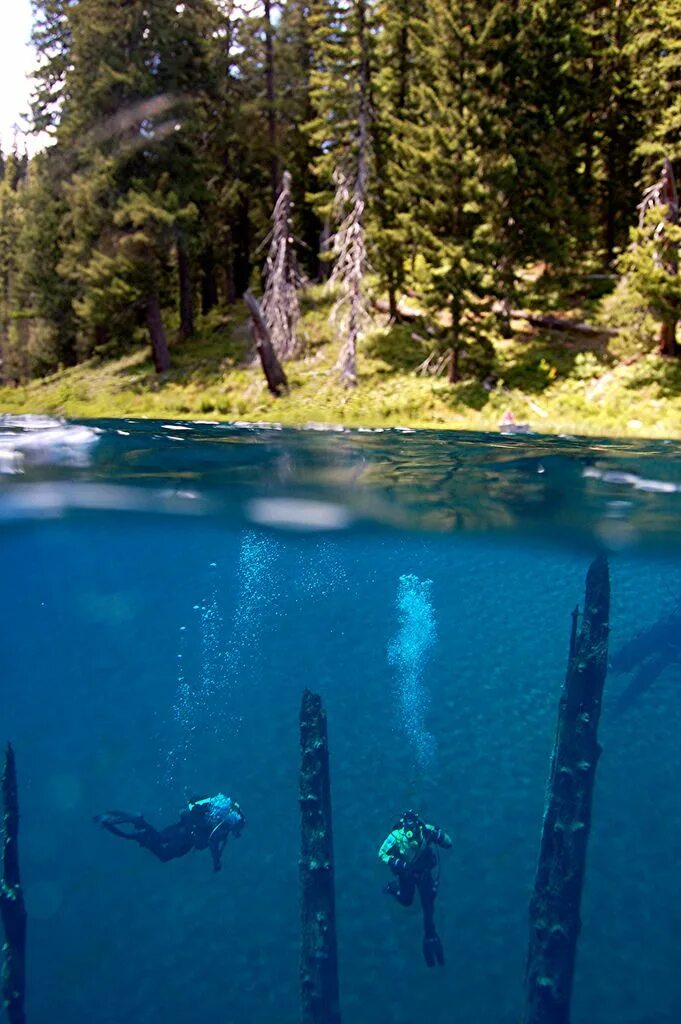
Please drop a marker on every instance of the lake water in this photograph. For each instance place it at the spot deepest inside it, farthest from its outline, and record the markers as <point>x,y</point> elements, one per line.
<point>169,590</point>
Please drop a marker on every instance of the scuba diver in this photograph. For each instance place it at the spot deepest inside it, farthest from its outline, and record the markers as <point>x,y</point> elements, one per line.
<point>206,823</point>
<point>408,852</point>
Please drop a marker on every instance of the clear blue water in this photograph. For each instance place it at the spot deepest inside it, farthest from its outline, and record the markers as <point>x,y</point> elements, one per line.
<point>167,593</point>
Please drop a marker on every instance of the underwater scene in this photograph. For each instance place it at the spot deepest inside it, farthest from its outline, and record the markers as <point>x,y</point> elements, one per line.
<point>169,593</point>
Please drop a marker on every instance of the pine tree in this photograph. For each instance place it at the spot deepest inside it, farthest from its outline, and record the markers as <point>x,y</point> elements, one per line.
<point>10,221</point>
<point>293,62</point>
<point>51,38</point>
<point>655,52</point>
<point>388,244</point>
<point>441,157</point>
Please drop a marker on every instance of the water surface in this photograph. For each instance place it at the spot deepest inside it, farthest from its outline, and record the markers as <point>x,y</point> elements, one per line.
<point>167,592</point>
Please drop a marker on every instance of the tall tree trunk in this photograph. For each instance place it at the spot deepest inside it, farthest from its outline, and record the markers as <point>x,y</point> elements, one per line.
<point>348,356</point>
<point>102,335</point>
<point>453,375</point>
<point>319,957</point>
<point>241,235</point>
<point>667,339</point>
<point>555,905</point>
<point>392,304</point>
<point>157,334</point>
<point>12,910</point>
<point>209,284</point>
<point>186,286</point>
<point>271,109</point>
<point>324,249</point>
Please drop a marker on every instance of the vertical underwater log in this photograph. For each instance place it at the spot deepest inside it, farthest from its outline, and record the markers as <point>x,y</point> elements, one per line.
<point>555,904</point>
<point>318,958</point>
<point>12,910</point>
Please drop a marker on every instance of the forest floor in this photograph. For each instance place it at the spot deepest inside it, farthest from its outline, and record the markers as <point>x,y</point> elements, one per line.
<point>554,381</point>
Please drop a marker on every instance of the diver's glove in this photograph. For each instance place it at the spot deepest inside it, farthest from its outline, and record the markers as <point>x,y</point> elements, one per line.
<point>441,838</point>
<point>398,865</point>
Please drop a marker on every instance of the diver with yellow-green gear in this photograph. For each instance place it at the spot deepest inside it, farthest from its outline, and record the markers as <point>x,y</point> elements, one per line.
<point>408,852</point>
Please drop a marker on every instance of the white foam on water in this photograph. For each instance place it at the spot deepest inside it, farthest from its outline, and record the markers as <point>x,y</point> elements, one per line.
<point>298,514</point>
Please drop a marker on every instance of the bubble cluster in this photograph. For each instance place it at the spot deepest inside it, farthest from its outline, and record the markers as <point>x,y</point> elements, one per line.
<point>183,713</point>
<point>323,573</point>
<point>211,638</point>
<point>202,698</point>
<point>256,562</point>
<point>408,653</point>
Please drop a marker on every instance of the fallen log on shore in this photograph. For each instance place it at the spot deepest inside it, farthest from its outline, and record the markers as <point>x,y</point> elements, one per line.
<point>557,323</point>
<point>272,368</point>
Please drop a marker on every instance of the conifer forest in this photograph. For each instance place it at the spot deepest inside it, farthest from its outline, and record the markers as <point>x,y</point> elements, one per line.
<point>406,153</point>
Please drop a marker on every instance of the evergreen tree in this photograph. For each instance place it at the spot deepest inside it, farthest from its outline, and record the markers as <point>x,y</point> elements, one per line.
<point>43,293</point>
<point>654,47</point>
<point>441,157</point>
<point>293,63</point>
<point>388,243</point>
<point>10,220</point>
<point>51,38</point>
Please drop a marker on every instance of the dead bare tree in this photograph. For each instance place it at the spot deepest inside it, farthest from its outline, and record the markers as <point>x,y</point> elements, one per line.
<point>663,195</point>
<point>280,306</point>
<point>349,253</point>
<point>349,242</point>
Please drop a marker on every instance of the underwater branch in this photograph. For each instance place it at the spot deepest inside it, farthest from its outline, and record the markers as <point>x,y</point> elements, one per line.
<point>12,909</point>
<point>555,904</point>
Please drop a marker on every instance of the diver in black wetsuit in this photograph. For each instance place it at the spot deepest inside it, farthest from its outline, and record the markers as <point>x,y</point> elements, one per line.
<point>408,852</point>
<point>204,824</point>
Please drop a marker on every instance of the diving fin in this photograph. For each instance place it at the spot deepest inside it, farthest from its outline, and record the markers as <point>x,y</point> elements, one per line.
<point>432,951</point>
<point>119,818</point>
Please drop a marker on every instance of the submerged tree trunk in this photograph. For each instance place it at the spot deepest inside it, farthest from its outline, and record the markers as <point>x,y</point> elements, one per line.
<point>319,958</point>
<point>12,910</point>
<point>157,334</point>
<point>186,286</point>
<point>274,374</point>
<point>555,905</point>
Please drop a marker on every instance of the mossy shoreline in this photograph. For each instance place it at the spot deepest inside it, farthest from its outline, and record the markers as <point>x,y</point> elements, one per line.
<point>556,382</point>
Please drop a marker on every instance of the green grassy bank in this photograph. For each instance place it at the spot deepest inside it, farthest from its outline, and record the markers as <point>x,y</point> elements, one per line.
<point>556,381</point>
